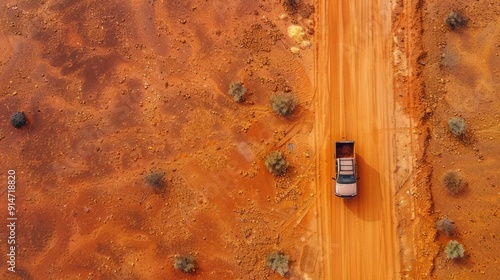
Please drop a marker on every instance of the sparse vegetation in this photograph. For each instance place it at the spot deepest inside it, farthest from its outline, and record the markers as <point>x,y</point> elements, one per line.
<point>278,262</point>
<point>457,126</point>
<point>276,164</point>
<point>156,179</point>
<point>454,250</point>
<point>18,119</point>
<point>185,264</point>
<point>453,182</point>
<point>455,20</point>
<point>283,103</point>
<point>446,225</point>
<point>236,91</point>
<point>292,3</point>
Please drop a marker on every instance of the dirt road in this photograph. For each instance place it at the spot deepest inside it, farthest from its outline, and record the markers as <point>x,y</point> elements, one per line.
<point>355,101</point>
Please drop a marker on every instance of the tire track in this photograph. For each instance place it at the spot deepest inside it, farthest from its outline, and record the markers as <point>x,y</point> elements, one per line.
<point>355,100</point>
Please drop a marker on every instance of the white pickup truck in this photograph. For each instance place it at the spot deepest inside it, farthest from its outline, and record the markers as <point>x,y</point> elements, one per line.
<point>346,176</point>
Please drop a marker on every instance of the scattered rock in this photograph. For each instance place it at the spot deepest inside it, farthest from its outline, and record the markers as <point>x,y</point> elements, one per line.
<point>297,33</point>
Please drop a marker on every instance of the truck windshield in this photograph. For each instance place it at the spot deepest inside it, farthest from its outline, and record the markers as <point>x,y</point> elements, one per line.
<point>346,179</point>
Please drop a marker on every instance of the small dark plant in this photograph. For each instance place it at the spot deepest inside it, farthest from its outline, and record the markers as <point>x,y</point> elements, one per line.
<point>185,264</point>
<point>283,103</point>
<point>291,4</point>
<point>18,119</point>
<point>455,20</point>
<point>236,91</point>
<point>453,182</point>
<point>454,250</point>
<point>457,126</point>
<point>276,164</point>
<point>156,179</point>
<point>446,225</point>
<point>278,262</point>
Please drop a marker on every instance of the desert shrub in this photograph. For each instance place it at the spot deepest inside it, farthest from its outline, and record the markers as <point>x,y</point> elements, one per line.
<point>278,262</point>
<point>156,179</point>
<point>457,126</point>
<point>236,91</point>
<point>455,20</point>
<point>453,182</point>
<point>185,264</point>
<point>454,250</point>
<point>446,225</point>
<point>291,3</point>
<point>283,103</point>
<point>18,119</point>
<point>276,164</point>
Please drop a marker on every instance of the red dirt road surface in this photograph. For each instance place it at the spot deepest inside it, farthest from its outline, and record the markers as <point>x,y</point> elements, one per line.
<point>356,103</point>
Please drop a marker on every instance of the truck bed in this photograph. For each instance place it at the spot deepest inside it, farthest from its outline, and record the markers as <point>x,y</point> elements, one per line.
<point>344,149</point>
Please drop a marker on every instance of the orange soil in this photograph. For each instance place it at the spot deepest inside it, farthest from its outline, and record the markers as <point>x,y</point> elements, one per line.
<point>450,73</point>
<point>113,90</point>
<point>359,234</point>
<point>462,70</point>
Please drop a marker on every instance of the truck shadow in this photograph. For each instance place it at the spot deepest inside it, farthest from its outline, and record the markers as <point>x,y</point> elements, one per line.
<point>368,203</point>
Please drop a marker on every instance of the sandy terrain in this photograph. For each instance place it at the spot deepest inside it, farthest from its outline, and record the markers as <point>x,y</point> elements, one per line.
<point>449,73</point>
<point>114,90</point>
<point>462,73</point>
<point>359,234</point>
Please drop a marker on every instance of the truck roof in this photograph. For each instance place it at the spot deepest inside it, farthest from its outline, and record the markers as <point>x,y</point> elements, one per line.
<point>346,166</point>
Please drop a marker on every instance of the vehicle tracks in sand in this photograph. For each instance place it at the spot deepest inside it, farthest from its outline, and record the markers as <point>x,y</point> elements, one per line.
<point>355,101</point>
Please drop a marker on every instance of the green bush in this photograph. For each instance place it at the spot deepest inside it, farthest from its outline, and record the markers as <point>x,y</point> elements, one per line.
<point>457,126</point>
<point>283,103</point>
<point>276,164</point>
<point>278,262</point>
<point>453,182</point>
<point>446,225</point>
<point>156,179</point>
<point>454,250</point>
<point>185,264</point>
<point>455,20</point>
<point>236,91</point>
